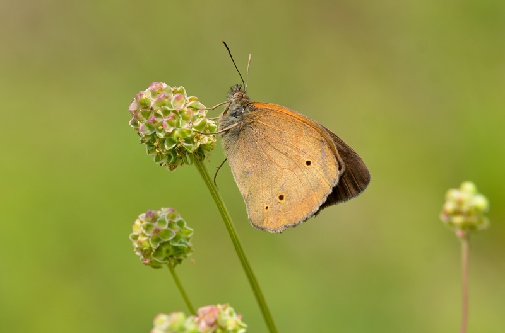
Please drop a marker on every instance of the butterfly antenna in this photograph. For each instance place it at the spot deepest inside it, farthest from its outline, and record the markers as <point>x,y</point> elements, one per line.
<point>247,74</point>
<point>229,52</point>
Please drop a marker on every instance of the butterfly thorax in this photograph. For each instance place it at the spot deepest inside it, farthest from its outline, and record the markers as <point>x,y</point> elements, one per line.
<point>238,107</point>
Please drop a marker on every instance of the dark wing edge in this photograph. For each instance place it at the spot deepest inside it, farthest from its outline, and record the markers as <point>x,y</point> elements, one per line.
<point>355,178</point>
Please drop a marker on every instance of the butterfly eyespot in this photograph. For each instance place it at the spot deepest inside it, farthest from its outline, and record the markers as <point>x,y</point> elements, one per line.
<point>266,207</point>
<point>308,163</point>
<point>280,197</point>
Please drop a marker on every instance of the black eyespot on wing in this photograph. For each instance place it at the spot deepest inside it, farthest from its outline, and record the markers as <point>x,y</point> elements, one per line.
<point>281,197</point>
<point>266,207</point>
<point>308,163</point>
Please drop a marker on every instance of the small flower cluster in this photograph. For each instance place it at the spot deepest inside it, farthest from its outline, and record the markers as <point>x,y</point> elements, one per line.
<point>464,208</point>
<point>220,318</point>
<point>161,237</point>
<point>172,125</point>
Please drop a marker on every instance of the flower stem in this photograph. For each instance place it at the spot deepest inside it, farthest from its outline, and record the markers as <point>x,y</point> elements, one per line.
<point>465,250</point>
<point>181,289</point>
<point>236,243</point>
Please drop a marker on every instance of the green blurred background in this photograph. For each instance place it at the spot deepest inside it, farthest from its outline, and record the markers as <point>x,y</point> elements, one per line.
<point>416,87</point>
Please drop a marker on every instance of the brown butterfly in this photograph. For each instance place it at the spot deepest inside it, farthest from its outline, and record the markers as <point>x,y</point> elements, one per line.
<point>287,166</point>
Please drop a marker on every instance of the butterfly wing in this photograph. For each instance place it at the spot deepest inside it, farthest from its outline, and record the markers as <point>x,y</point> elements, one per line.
<point>284,164</point>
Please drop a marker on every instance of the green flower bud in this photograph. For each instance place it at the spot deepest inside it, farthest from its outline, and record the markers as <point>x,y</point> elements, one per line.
<point>464,209</point>
<point>175,322</point>
<point>220,318</point>
<point>161,237</point>
<point>480,203</point>
<point>452,195</point>
<point>170,124</point>
<point>468,187</point>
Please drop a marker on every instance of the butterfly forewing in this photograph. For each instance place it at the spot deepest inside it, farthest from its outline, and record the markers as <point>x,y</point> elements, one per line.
<point>289,167</point>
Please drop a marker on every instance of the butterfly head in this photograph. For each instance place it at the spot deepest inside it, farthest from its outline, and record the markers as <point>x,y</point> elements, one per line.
<point>237,94</point>
<point>238,103</point>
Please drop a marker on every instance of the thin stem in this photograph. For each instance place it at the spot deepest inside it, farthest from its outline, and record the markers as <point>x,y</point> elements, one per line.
<point>181,289</point>
<point>465,250</point>
<point>236,243</point>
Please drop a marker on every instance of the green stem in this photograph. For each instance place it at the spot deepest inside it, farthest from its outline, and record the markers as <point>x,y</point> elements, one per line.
<point>465,250</point>
<point>181,289</point>
<point>236,243</point>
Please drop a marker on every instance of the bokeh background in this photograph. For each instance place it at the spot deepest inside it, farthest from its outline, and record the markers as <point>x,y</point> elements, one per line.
<point>416,87</point>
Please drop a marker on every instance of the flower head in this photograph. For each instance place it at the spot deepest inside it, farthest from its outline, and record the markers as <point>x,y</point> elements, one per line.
<point>171,125</point>
<point>175,322</point>
<point>220,318</point>
<point>464,208</point>
<point>161,237</point>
